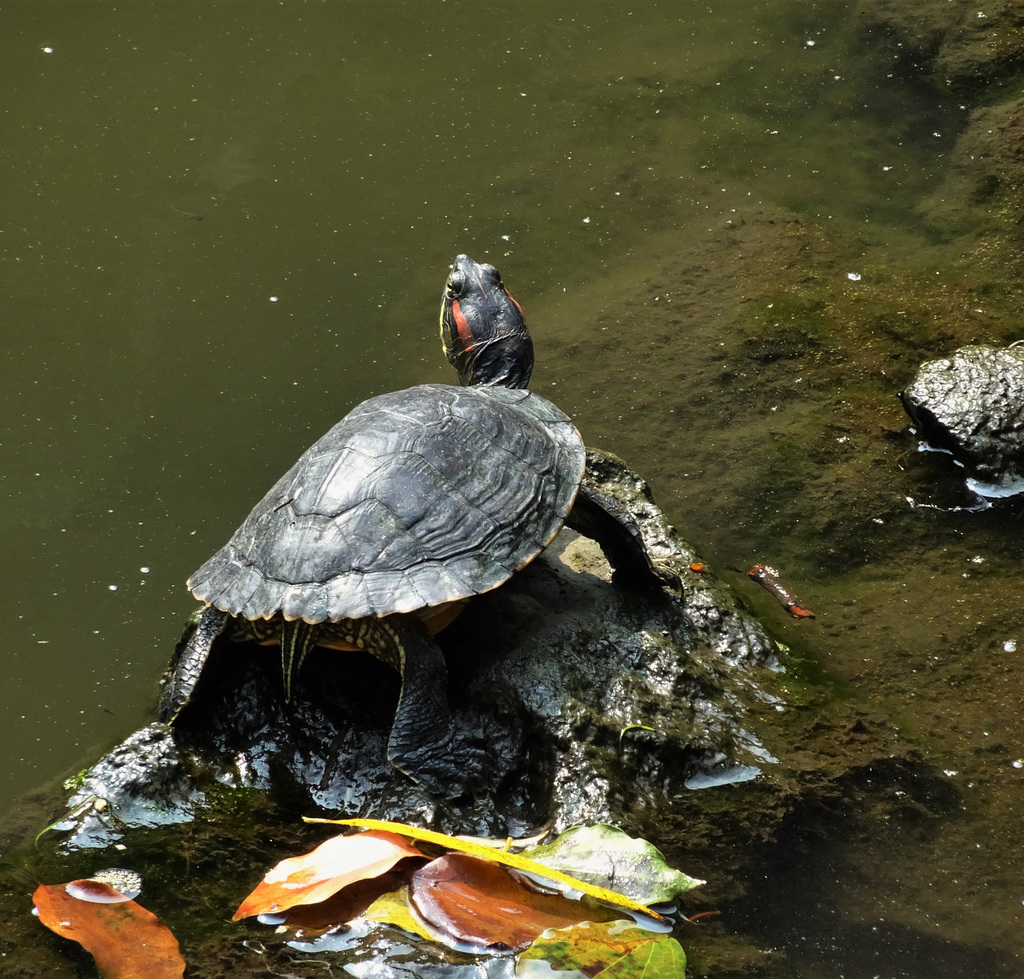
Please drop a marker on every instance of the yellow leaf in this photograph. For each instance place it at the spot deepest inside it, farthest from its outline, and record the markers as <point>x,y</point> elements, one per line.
<point>393,909</point>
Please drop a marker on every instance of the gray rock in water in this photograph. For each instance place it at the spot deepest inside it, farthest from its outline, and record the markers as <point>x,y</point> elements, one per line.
<point>591,701</point>
<point>972,405</point>
<point>144,782</point>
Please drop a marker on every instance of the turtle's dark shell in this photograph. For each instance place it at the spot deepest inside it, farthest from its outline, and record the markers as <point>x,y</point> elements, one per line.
<point>419,497</point>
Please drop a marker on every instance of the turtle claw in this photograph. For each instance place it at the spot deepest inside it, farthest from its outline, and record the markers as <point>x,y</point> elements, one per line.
<point>668,579</point>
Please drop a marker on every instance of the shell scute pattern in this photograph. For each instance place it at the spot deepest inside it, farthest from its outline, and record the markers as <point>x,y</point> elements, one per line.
<point>416,498</point>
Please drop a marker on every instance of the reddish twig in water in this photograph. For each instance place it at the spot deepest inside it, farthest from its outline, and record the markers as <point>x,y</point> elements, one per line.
<point>693,919</point>
<point>769,578</point>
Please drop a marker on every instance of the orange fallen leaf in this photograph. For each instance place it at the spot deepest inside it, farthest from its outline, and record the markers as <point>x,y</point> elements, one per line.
<point>315,876</point>
<point>478,902</point>
<point>126,940</point>
<point>345,906</point>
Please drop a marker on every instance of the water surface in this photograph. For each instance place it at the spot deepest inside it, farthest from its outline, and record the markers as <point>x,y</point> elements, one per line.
<point>226,224</point>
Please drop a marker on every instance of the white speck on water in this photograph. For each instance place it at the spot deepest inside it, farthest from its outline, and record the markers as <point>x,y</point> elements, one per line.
<point>49,50</point>
<point>144,570</point>
<point>586,220</point>
<point>949,772</point>
<point>112,587</point>
<point>1010,646</point>
<point>853,276</point>
<point>810,44</point>
<point>1019,763</point>
<point>273,299</point>
<point>506,237</point>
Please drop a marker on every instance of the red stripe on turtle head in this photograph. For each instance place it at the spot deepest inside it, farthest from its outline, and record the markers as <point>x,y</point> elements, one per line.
<point>462,325</point>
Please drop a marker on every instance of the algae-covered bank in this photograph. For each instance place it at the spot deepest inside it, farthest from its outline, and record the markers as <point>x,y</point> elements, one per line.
<point>736,235</point>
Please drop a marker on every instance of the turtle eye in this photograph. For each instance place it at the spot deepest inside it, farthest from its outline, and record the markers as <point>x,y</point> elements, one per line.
<point>456,283</point>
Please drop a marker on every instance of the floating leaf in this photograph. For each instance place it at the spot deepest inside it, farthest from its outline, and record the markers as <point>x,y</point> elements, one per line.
<point>604,951</point>
<point>324,871</point>
<point>512,860</point>
<point>604,854</point>
<point>348,904</point>
<point>471,901</point>
<point>126,940</point>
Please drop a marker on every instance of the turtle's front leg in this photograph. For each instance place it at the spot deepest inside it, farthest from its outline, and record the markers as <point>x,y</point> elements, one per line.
<point>189,665</point>
<point>602,518</point>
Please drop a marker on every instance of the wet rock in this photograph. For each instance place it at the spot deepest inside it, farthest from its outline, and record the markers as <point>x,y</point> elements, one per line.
<point>972,405</point>
<point>144,782</point>
<point>592,702</point>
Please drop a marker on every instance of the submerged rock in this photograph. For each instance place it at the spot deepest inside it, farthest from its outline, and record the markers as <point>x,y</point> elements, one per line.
<point>952,41</point>
<point>971,404</point>
<point>593,703</point>
<point>979,189</point>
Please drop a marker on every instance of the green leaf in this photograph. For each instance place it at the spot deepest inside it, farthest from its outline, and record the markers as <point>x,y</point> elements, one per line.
<point>603,951</point>
<point>660,958</point>
<point>607,857</point>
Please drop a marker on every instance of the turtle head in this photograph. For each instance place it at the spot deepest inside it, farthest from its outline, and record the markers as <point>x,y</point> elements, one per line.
<point>482,328</point>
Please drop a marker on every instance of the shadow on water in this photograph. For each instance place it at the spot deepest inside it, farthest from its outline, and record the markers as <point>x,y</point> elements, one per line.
<point>799,903</point>
<point>223,231</point>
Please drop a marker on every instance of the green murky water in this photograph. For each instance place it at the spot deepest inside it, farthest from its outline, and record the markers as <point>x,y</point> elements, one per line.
<point>225,224</point>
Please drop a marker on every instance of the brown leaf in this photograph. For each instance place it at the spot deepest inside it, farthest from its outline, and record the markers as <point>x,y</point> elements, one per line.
<point>317,875</point>
<point>126,940</point>
<point>477,902</point>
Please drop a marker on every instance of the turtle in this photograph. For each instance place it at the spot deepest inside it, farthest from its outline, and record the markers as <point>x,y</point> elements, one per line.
<point>413,503</point>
